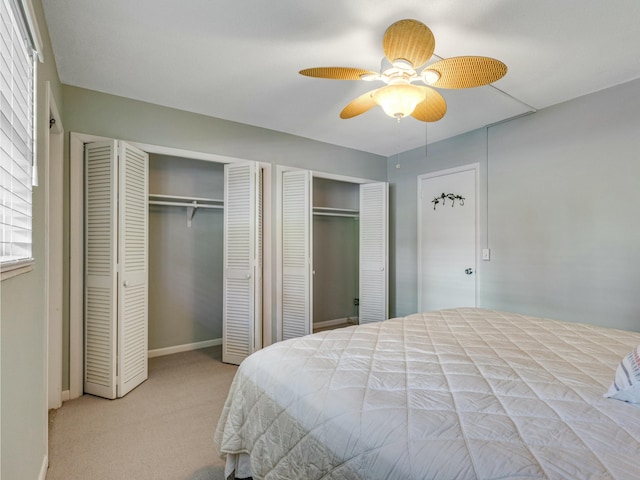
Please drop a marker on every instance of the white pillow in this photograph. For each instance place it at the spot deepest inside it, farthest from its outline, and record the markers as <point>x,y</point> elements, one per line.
<point>626,384</point>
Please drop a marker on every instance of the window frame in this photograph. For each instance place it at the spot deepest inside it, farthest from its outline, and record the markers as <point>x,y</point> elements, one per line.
<point>23,18</point>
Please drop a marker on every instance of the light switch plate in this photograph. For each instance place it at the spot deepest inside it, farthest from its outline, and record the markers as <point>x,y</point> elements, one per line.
<point>486,254</point>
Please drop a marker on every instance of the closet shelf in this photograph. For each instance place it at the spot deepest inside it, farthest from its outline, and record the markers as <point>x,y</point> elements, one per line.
<point>336,212</point>
<point>191,203</point>
<point>184,199</point>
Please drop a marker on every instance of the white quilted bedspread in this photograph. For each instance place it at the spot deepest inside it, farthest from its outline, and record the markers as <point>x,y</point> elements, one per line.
<point>455,394</point>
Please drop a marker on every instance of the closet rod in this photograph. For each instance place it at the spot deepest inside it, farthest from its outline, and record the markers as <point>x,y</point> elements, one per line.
<point>184,204</point>
<point>185,198</point>
<point>329,214</point>
<point>335,210</point>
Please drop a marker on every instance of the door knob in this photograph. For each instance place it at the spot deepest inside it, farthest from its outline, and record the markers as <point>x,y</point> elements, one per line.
<point>468,271</point>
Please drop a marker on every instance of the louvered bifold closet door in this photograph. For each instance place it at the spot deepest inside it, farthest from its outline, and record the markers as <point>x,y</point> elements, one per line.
<point>373,252</point>
<point>296,254</point>
<point>100,335</point>
<point>133,260</point>
<point>258,264</point>
<point>240,278</point>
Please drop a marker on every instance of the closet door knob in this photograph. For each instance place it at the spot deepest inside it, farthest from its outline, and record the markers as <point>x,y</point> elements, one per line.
<point>126,283</point>
<point>382,269</point>
<point>248,276</point>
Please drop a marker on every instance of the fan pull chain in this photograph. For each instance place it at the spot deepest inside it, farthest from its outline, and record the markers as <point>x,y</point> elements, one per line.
<point>426,140</point>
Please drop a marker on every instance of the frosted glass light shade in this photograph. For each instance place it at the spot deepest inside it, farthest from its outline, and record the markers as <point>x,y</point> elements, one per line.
<point>398,101</point>
<point>430,76</point>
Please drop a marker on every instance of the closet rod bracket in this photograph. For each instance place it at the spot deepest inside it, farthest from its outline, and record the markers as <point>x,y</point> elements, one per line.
<point>191,211</point>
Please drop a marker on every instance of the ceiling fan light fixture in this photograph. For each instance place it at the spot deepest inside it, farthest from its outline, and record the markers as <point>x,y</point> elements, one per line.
<point>408,46</point>
<point>369,77</point>
<point>402,64</point>
<point>430,76</point>
<point>399,101</point>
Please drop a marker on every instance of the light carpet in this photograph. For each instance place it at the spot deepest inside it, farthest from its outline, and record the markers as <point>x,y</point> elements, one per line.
<point>163,429</point>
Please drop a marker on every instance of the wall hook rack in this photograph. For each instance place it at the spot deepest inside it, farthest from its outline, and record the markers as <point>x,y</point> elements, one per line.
<point>442,199</point>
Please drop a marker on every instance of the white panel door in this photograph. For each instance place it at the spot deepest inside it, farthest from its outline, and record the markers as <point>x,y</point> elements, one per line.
<point>373,252</point>
<point>447,240</point>
<point>133,268</point>
<point>242,322</point>
<point>100,282</point>
<point>296,254</point>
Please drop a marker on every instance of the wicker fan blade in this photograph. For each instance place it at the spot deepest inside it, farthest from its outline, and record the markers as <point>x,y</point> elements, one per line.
<point>360,105</point>
<point>432,108</point>
<point>409,40</point>
<point>467,72</point>
<point>337,73</point>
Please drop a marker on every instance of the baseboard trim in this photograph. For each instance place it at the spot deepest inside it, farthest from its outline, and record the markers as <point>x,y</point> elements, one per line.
<point>159,352</point>
<point>335,321</point>
<point>44,468</point>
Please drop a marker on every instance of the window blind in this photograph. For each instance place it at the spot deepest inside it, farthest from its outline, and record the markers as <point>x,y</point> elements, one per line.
<point>17,74</point>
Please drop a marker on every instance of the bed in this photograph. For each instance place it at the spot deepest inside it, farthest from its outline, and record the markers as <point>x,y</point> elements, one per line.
<point>454,394</point>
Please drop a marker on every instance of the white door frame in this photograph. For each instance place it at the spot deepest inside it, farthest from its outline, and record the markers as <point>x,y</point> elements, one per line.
<point>53,184</point>
<point>76,244</point>
<point>476,168</point>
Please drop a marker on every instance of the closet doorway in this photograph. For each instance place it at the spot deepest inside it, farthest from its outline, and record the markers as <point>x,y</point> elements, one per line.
<point>332,251</point>
<point>76,242</point>
<point>186,210</point>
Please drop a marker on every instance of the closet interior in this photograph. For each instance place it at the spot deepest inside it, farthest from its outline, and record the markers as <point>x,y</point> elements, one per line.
<point>335,253</point>
<point>186,219</point>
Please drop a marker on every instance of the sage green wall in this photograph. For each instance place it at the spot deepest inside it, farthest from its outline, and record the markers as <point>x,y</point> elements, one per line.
<point>562,209</point>
<point>96,113</point>
<point>92,112</point>
<point>23,407</point>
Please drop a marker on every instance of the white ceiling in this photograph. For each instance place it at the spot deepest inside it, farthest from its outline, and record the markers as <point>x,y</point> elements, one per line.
<point>239,60</point>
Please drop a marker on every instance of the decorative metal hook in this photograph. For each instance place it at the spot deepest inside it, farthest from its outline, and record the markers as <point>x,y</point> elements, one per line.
<point>442,198</point>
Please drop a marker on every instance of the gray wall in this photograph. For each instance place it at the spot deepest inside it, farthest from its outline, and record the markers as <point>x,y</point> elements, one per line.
<point>23,408</point>
<point>562,210</point>
<point>335,263</point>
<point>185,263</point>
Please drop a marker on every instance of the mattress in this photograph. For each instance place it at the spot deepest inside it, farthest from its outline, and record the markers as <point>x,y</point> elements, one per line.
<point>454,394</point>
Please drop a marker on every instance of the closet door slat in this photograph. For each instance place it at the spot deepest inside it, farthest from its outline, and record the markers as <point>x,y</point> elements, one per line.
<point>296,254</point>
<point>373,252</point>
<point>240,262</point>
<point>133,268</point>
<point>100,333</point>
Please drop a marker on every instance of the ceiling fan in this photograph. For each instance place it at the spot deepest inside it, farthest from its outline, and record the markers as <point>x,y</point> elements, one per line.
<point>408,45</point>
